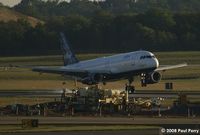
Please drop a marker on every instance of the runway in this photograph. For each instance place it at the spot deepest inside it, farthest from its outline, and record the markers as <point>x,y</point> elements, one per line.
<point>139,93</point>
<point>157,123</point>
<point>125,132</point>
<point>104,120</point>
<point>30,93</point>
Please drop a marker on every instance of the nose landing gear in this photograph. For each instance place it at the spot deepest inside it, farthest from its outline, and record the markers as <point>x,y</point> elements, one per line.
<point>143,80</point>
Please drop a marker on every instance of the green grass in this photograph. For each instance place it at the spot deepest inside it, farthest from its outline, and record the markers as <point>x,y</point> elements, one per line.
<point>164,58</point>
<point>53,60</point>
<point>178,57</point>
<point>7,14</point>
<point>59,128</point>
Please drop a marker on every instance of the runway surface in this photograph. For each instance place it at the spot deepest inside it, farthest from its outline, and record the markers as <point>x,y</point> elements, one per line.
<point>129,132</point>
<point>102,120</point>
<point>159,123</point>
<point>57,93</point>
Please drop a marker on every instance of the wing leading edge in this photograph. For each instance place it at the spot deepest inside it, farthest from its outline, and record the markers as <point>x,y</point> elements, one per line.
<point>163,68</point>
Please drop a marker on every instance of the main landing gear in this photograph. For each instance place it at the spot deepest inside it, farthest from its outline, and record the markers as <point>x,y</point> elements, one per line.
<point>130,88</point>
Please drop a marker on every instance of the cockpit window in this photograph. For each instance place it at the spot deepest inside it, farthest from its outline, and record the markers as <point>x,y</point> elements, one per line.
<point>147,56</point>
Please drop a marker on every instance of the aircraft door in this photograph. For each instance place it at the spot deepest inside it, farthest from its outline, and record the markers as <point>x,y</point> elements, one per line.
<point>107,64</point>
<point>133,59</point>
<point>138,62</point>
<point>127,62</point>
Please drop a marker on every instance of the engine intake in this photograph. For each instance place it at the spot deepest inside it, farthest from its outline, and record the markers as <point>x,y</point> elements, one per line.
<point>150,78</point>
<point>153,77</point>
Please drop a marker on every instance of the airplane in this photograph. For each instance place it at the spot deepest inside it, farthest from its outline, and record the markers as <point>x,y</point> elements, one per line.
<point>111,68</point>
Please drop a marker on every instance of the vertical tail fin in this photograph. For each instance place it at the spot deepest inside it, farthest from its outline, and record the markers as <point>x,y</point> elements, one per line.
<point>68,55</point>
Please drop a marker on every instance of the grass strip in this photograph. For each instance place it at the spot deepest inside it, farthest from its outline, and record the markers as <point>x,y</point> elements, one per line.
<point>61,128</point>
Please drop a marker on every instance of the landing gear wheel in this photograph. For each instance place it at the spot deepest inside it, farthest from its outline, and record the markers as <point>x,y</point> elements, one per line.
<point>143,80</point>
<point>130,88</point>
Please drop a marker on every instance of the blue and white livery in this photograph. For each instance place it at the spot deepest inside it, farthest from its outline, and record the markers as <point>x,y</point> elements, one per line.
<point>111,68</point>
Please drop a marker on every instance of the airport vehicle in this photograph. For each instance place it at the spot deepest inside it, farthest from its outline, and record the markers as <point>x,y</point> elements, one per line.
<point>111,68</point>
<point>148,103</point>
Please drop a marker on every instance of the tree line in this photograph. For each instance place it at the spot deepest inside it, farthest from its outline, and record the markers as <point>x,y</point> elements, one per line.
<point>44,9</point>
<point>155,30</point>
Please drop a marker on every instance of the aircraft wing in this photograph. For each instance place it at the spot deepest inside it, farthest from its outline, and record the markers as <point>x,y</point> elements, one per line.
<point>72,72</point>
<point>163,68</point>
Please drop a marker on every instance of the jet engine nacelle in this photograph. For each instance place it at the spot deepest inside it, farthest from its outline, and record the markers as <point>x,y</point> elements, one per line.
<point>153,77</point>
<point>92,79</point>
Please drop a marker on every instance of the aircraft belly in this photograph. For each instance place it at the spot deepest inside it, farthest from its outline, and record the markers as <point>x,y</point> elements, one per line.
<point>126,74</point>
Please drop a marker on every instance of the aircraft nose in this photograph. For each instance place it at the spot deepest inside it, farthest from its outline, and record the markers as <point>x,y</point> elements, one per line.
<point>156,63</point>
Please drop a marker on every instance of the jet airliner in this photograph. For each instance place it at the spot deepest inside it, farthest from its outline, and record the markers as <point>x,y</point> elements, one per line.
<point>101,70</point>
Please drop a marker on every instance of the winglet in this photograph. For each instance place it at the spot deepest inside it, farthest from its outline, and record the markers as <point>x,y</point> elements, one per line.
<point>68,55</point>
